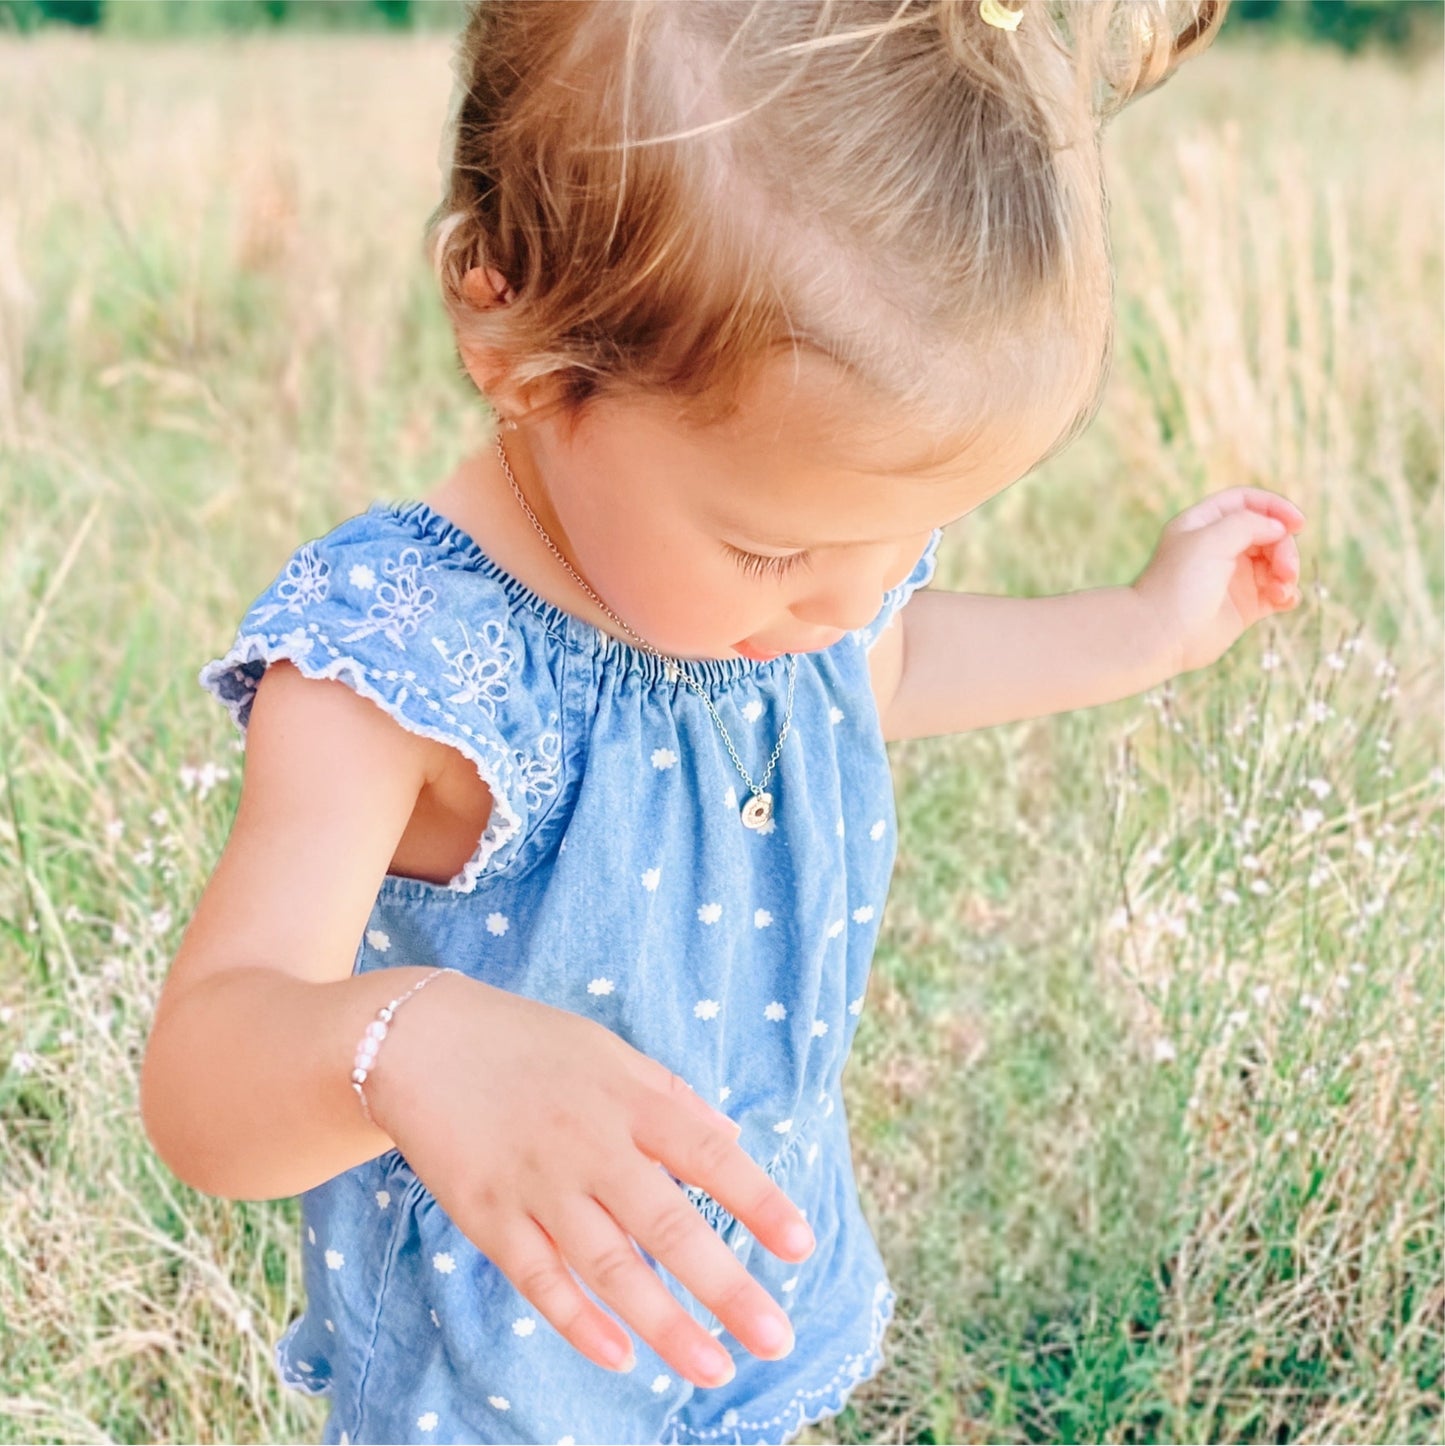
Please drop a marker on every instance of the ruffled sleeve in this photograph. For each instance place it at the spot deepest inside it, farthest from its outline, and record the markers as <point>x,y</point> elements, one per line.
<point>432,643</point>
<point>895,597</point>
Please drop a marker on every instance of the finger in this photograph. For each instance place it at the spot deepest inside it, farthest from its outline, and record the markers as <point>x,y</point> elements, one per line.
<point>599,1250</point>
<point>657,1074</point>
<point>1260,499</point>
<point>531,1262</point>
<point>730,1175</point>
<point>656,1212</point>
<point>1240,531</point>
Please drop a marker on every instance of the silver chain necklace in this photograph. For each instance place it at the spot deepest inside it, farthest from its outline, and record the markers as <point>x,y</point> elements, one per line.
<point>759,808</point>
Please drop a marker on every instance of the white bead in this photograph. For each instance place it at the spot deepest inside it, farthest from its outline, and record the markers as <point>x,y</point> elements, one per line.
<point>376,1029</point>
<point>358,1076</point>
<point>385,1013</point>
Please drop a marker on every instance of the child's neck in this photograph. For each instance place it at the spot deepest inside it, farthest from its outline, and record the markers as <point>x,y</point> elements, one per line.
<point>479,500</point>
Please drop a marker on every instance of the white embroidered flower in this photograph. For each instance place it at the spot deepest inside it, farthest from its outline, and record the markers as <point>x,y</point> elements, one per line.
<point>331,1326</point>
<point>478,671</point>
<point>840,826</point>
<point>436,1320</point>
<point>298,642</point>
<point>730,798</point>
<point>538,771</point>
<point>600,986</point>
<point>730,1419</point>
<point>524,1325</point>
<point>334,1260</point>
<point>878,830</point>
<point>427,1421</point>
<point>362,576</point>
<point>863,914</point>
<point>789,1284</point>
<point>706,1008</point>
<point>856,1007</point>
<point>650,879</point>
<point>307,580</point>
<point>400,604</point>
<point>835,715</point>
<point>383,1199</point>
<point>443,1262</point>
<point>379,940</point>
<point>663,758</point>
<point>710,913</point>
<point>660,1384</point>
<point>311,1235</point>
<point>497,924</point>
<point>836,928</point>
<point>775,1011</point>
<point>752,711</point>
<point>723,1093</point>
<point>500,1402</point>
<point>820,1028</point>
<point>761,919</point>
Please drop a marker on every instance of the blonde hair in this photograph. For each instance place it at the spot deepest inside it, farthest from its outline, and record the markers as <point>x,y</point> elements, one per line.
<point>676,190</point>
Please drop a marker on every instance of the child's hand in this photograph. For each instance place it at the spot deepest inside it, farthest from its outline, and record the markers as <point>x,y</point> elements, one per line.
<point>1220,566</point>
<point>541,1134</point>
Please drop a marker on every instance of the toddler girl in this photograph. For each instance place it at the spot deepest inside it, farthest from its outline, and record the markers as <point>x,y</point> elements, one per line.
<point>541,937</point>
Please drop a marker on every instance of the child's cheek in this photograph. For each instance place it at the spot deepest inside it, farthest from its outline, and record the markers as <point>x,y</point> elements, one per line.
<point>689,609</point>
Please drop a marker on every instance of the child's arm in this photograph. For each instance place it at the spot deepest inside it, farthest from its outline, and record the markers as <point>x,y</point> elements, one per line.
<point>953,661</point>
<point>961,660</point>
<point>245,1088</point>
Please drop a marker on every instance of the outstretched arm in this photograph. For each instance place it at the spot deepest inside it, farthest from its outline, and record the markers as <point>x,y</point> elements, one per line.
<point>957,661</point>
<point>951,661</point>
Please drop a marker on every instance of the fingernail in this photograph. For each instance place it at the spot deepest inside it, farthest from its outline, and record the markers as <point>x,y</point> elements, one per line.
<point>623,1358</point>
<point>773,1333</point>
<point>717,1366</point>
<point>798,1237</point>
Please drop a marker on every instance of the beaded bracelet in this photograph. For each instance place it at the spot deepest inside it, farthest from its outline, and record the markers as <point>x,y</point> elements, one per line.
<point>370,1042</point>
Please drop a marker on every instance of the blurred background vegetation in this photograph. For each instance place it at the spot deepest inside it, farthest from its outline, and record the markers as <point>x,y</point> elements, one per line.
<point>1411,26</point>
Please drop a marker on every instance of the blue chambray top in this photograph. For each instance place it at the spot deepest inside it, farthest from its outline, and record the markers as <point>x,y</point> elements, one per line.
<point>614,879</point>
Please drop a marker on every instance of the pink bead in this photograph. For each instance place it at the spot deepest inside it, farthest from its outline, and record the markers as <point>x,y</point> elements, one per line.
<point>376,1029</point>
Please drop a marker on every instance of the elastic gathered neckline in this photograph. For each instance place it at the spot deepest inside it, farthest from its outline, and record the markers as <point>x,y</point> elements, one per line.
<point>577,633</point>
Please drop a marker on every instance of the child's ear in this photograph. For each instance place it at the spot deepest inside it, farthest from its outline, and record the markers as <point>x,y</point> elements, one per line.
<point>488,367</point>
<point>485,286</point>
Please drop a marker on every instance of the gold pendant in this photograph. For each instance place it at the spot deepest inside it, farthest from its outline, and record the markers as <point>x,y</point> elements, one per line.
<point>757,810</point>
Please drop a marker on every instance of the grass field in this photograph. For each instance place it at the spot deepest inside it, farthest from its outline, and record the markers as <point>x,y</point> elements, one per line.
<point>1147,1093</point>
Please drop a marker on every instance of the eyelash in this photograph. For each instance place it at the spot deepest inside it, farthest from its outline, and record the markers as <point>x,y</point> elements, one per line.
<point>757,565</point>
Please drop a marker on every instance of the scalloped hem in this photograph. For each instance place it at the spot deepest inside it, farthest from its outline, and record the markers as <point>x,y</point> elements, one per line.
<point>853,1373</point>
<point>291,1378</point>
<point>505,825</point>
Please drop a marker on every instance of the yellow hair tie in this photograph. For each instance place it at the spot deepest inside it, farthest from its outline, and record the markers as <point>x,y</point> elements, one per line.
<point>999,15</point>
